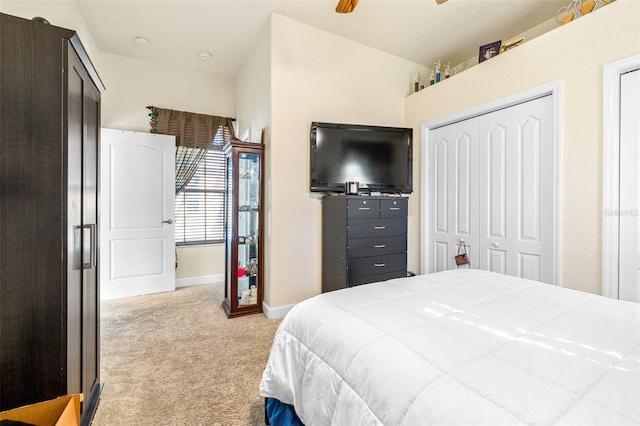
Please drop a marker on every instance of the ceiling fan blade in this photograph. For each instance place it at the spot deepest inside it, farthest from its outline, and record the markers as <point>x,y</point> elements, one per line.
<point>346,6</point>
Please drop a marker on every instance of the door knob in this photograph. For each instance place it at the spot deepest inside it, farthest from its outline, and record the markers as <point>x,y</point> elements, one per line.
<point>169,221</point>
<point>496,245</point>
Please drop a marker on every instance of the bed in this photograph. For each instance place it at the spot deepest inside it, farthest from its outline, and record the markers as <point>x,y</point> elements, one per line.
<point>457,347</point>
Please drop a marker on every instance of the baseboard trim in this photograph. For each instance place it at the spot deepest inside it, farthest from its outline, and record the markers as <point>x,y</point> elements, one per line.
<point>201,280</point>
<point>276,312</point>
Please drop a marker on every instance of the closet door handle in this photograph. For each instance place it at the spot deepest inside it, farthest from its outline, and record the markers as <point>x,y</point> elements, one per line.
<point>92,246</point>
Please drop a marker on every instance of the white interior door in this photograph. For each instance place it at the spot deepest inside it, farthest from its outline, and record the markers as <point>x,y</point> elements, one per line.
<point>137,206</point>
<point>454,188</point>
<point>629,250</point>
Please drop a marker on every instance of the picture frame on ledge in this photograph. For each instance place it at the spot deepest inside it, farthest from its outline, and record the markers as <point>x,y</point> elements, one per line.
<point>488,51</point>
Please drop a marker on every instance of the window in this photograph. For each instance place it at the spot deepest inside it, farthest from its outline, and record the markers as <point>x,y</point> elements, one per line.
<point>199,207</point>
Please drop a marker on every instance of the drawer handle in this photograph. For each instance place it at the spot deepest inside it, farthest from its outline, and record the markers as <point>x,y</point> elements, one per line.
<point>379,227</point>
<point>380,246</point>
<point>379,265</point>
<point>364,208</point>
<point>394,208</point>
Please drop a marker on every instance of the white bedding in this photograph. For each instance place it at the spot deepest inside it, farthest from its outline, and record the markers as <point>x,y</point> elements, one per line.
<point>458,347</point>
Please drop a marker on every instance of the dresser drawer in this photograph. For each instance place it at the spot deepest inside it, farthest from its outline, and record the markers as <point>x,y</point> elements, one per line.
<point>375,278</point>
<point>394,207</point>
<point>362,228</point>
<point>376,246</point>
<point>363,208</point>
<point>375,265</point>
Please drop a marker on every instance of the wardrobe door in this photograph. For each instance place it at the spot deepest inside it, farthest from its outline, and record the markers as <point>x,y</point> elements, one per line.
<point>83,295</point>
<point>75,232</point>
<point>90,285</point>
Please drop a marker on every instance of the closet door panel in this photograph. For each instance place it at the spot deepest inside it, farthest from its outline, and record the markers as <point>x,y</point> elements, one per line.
<point>528,177</point>
<point>495,189</point>
<point>441,181</point>
<point>529,266</point>
<point>497,261</point>
<point>441,256</point>
<point>533,174</point>
<point>453,206</point>
<point>496,179</point>
<point>463,184</point>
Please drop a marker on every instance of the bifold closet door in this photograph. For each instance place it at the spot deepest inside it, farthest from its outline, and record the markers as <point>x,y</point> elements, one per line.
<point>491,185</point>
<point>516,190</point>
<point>453,171</point>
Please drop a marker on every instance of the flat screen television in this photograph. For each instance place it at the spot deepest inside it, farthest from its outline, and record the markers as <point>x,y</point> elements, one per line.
<point>379,158</point>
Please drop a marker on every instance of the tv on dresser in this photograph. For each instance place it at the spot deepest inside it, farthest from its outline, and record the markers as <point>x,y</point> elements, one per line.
<point>378,158</point>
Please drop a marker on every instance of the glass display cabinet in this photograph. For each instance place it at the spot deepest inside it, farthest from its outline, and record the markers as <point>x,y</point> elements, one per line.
<point>244,216</point>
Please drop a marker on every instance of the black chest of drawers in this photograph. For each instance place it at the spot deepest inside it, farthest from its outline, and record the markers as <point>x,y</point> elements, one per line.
<point>364,240</point>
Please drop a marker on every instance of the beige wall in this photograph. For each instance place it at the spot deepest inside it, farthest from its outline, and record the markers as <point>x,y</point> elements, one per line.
<point>574,54</point>
<point>317,76</point>
<point>200,262</point>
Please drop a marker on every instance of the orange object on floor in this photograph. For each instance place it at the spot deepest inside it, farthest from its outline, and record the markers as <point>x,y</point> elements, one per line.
<point>62,411</point>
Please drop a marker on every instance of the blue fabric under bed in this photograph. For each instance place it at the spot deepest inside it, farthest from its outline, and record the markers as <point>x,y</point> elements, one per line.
<point>281,414</point>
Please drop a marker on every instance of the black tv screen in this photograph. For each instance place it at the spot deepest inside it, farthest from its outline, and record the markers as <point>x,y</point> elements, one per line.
<point>378,158</point>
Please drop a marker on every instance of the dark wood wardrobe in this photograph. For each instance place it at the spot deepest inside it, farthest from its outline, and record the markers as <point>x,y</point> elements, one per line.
<point>49,290</point>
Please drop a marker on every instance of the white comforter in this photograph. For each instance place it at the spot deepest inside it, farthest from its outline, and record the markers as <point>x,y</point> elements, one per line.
<point>458,347</point>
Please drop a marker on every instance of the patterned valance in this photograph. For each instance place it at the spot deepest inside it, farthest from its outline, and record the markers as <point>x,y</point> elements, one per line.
<point>190,129</point>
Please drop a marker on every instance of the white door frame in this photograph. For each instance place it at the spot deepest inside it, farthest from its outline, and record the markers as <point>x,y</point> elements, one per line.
<point>611,169</point>
<point>555,89</point>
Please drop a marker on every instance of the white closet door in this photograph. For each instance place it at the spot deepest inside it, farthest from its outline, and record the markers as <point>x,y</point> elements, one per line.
<point>516,190</point>
<point>454,193</point>
<point>629,249</point>
<point>496,191</point>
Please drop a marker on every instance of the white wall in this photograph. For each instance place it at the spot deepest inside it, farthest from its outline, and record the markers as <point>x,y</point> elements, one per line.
<point>61,14</point>
<point>317,76</point>
<point>132,84</point>
<point>253,88</point>
<point>574,54</point>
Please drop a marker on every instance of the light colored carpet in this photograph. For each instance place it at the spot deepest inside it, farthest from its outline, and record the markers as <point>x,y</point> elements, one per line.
<point>175,359</point>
